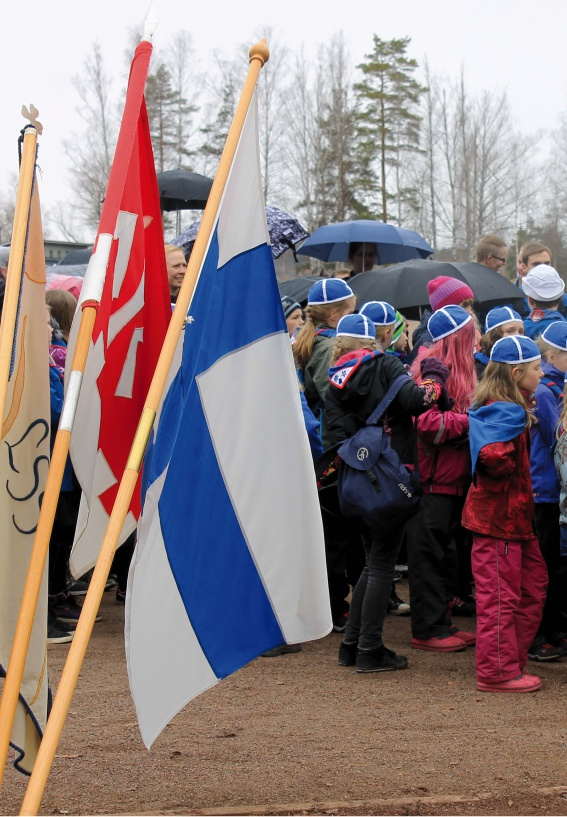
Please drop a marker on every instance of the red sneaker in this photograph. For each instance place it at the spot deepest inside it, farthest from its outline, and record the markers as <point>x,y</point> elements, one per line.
<point>450,644</point>
<point>523,683</point>
<point>464,635</point>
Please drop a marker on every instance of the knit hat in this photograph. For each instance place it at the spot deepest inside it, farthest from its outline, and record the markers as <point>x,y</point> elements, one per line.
<point>556,335</point>
<point>515,349</point>
<point>400,326</point>
<point>357,326</point>
<point>501,315</point>
<point>379,312</point>
<point>543,283</point>
<point>445,321</point>
<point>443,291</point>
<point>289,305</point>
<point>328,291</point>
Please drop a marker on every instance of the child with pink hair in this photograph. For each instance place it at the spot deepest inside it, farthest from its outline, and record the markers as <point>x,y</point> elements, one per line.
<point>444,466</point>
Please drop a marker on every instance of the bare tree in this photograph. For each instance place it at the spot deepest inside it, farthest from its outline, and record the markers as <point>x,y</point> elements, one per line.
<point>272,91</point>
<point>320,160</point>
<point>185,84</point>
<point>90,153</point>
<point>478,171</point>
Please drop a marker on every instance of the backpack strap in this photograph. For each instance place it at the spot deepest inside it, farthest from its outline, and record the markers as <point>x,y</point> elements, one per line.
<point>390,395</point>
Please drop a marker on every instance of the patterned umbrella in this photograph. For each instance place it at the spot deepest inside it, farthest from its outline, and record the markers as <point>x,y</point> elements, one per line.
<point>285,232</point>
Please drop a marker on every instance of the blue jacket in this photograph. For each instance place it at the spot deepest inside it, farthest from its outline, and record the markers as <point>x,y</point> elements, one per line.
<point>56,400</point>
<point>545,482</point>
<point>539,320</point>
<point>312,427</point>
<point>523,308</point>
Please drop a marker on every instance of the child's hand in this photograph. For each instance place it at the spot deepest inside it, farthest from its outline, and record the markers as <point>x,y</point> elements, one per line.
<point>433,369</point>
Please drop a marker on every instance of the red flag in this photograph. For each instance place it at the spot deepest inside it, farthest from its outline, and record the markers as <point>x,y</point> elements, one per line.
<point>130,327</point>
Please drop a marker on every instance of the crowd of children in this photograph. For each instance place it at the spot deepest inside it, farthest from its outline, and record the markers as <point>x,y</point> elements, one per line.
<point>481,423</point>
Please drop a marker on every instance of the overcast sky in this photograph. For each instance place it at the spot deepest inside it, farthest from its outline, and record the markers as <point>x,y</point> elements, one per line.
<point>514,45</point>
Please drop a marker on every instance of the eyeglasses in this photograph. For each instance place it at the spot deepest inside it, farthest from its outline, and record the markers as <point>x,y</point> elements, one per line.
<point>498,258</point>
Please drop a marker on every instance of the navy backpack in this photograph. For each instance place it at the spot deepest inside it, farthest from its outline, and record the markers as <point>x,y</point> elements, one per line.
<point>373,483</point>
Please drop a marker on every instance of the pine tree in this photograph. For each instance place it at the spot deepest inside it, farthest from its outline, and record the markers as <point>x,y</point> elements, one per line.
<point>387,124</point>
<point>215,132</point>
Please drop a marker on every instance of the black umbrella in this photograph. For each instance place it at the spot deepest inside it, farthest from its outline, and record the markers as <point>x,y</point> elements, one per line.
<point>298,288</point>
<point>183,190</point>
<point>405,285</point>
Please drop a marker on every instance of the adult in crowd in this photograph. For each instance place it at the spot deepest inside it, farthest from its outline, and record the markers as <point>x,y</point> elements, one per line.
<point>176,267</point>
<point>362,255</point>
<point>491,252</point>
<point>530,256</point>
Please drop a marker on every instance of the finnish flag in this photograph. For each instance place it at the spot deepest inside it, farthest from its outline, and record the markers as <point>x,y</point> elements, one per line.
<point>230,557</point>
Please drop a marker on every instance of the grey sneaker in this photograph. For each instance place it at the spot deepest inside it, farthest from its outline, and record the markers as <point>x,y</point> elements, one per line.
<point>56,635</point>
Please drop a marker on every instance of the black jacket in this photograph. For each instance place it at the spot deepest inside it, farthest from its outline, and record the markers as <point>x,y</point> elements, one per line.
<point>347,408</point>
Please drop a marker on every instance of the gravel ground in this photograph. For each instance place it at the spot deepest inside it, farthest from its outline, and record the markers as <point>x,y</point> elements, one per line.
<point>298,734</point>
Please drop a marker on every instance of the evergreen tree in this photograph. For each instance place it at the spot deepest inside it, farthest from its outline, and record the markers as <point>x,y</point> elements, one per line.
<point>387,124</point>
<point>215,132</point>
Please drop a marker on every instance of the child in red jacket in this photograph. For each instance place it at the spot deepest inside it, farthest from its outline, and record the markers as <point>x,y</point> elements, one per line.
<point>508,568</point>
<point>444,467</point>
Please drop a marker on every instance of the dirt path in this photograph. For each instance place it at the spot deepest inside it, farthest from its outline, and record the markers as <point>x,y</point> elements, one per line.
<point>299,734</point>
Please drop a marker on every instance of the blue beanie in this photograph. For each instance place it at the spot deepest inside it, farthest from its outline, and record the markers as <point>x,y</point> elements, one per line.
<point>556,335</point>
<point>501,315</point>
<point>328,291</point>
<point>515,349</point>
<point>447,320</point>
<point>379,312</point>
<point>357,326</point>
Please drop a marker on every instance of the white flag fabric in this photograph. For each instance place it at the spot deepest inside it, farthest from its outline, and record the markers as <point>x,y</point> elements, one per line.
<point>230,557</point>
<point>24,462</point>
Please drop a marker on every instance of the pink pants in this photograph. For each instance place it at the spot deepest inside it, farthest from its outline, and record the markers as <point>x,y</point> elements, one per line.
<point>511,584</point>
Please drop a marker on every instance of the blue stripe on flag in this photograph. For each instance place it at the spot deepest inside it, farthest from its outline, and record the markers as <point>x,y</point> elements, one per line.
<point>216,575</point>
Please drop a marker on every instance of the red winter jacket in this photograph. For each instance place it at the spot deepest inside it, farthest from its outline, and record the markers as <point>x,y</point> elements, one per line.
<point>500,501</point>
<point>444,453</point>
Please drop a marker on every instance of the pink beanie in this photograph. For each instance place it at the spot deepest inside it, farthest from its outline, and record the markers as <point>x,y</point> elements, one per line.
<point>444,291</point>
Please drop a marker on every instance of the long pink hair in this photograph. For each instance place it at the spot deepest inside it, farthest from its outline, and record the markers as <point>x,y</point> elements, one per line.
<point>456,352</point>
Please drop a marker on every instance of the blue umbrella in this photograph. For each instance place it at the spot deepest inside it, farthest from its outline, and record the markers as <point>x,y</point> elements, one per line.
<point>331,243</point>
<point>285,232</point>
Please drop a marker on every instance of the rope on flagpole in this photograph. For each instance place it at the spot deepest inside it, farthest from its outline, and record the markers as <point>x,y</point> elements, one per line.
<point>259,55</point>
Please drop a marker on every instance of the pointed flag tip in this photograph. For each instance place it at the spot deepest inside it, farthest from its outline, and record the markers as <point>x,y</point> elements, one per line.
<point>150,24</point>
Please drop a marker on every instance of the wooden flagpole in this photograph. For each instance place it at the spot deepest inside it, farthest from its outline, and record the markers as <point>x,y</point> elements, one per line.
<point>7,332</point>
<point>97,273</point>
<point>259,55</point>
<point>15,671</point>
<point>16,260</point>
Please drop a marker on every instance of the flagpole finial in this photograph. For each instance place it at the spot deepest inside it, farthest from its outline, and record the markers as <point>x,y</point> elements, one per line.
<point>150,23</point>
<point>260,51</point>
<point>31,116</point>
